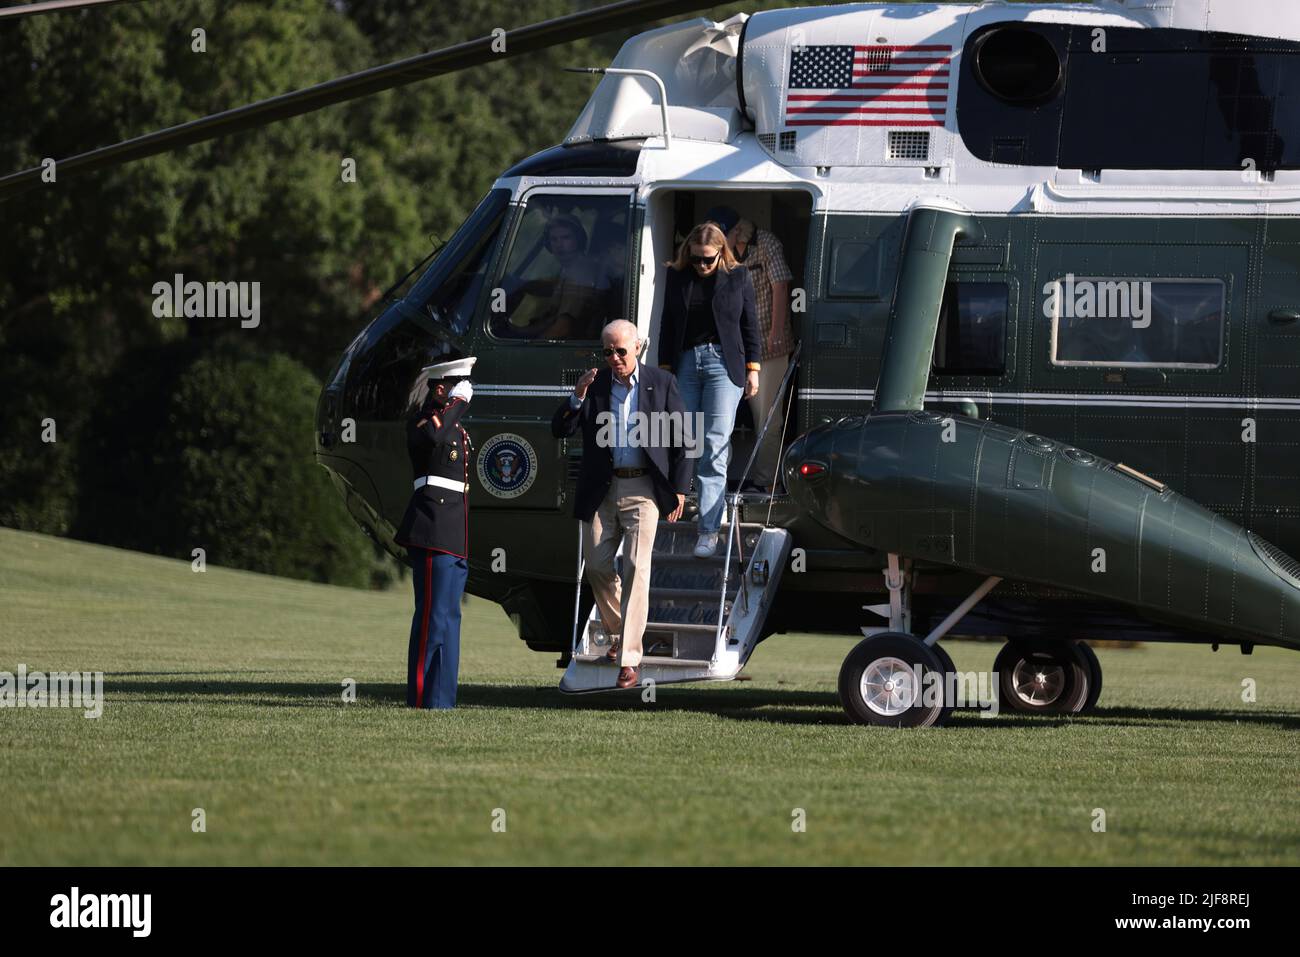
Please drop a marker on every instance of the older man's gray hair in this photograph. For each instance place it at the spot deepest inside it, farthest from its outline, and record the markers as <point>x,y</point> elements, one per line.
<point>619,327</point>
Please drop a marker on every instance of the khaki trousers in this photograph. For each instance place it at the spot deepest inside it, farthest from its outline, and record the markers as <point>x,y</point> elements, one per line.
<point>628,514</point>
<point>769,457</point>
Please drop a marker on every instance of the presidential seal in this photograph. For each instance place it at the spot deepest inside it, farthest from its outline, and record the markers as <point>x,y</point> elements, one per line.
<point>507,465</point>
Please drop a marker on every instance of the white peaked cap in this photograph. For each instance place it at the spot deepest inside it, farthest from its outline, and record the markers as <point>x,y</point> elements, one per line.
<point>456,368</point>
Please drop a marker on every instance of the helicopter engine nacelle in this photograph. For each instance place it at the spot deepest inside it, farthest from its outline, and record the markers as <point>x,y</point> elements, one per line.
<point>999,501</point>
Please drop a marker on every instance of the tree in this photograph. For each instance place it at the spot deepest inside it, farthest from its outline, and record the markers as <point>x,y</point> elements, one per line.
<point>218,456</point>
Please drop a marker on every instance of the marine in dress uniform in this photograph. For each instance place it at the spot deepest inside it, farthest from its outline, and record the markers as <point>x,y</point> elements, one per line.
<point>435,532</point>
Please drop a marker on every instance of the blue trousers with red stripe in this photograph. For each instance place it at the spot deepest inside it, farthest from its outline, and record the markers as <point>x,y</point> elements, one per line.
<point>434,656</point>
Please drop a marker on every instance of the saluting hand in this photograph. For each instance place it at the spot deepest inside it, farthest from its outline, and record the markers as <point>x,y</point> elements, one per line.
<point>580,390</point>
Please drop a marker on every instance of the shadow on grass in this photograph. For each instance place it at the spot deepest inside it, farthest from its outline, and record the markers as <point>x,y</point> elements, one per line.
<point>734,702</point>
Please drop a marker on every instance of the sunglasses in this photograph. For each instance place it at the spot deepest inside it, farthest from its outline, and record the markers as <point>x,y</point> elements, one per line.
<point>609,352</point>
<point>703,260</point>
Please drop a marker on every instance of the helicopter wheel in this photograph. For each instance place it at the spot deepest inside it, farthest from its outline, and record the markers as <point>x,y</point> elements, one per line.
<point>1094,677</point>
<point>879,683</point>
<point>945,661</point>
<point>1042,677</point>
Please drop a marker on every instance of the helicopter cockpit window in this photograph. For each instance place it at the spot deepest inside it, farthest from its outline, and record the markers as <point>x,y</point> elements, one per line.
<point>565,275</point>
<point>1175,323</point>
<point>972,337</point>
<point>449,289</point>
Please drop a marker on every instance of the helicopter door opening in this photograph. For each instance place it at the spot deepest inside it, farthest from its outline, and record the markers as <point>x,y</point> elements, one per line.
<point>777,223</point>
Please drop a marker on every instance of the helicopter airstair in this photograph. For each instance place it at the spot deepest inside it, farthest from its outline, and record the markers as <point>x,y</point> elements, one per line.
<point>706,614</point>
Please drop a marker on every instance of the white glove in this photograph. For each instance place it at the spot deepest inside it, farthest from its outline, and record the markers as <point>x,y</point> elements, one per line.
<point>462,390</point>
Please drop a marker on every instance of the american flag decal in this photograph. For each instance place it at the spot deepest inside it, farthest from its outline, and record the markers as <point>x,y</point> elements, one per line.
<point>868,86</point>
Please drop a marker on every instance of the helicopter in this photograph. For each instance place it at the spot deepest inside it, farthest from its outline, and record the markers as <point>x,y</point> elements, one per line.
<point>1046,295</point>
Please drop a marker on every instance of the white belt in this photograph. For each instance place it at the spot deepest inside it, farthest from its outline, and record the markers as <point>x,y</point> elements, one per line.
<point>438,480</point>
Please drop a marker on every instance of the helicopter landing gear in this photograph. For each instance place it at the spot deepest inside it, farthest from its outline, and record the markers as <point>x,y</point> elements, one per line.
<point>893,680</point>
<point>1047,677</point>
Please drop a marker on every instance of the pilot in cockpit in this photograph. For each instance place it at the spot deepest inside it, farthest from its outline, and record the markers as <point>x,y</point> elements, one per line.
<point>570,301</point>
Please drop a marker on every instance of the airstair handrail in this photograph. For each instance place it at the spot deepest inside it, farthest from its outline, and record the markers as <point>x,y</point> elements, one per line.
<point>577,598</point>
<point>733,532</point>
<point>767,421</point>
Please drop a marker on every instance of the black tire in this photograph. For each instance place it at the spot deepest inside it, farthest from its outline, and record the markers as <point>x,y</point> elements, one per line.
<point>1061,671</point>
<point>914,707</point>
<point>1094,677</point>
<point>945,659</point>
<point>945,662</point>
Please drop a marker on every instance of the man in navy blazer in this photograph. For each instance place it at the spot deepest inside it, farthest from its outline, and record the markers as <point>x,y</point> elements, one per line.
<point>634,469</point>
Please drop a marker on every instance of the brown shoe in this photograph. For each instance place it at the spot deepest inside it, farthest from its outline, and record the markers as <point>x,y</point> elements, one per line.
<point>627,677</point>
<point>612,654</point>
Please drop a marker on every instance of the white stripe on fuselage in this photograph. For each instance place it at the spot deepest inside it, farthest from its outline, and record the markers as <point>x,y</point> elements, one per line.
<point>1262,403</point>
<point>1266,403</point>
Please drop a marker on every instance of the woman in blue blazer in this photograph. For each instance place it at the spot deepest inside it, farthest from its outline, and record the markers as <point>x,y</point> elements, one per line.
<point>709,337</point>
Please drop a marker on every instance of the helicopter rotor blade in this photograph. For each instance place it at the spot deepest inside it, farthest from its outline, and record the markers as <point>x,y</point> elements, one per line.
<point>461,56</point>
<point>53,6</point>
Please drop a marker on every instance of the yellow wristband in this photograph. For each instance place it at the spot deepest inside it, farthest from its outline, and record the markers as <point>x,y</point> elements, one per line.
<point>753,366</point>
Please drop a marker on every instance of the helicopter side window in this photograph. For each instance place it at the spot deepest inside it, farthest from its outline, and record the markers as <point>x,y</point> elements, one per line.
<point>972,337</point>
<point>450,288</point>
<point>565,275</point>
<point>1137,322</point>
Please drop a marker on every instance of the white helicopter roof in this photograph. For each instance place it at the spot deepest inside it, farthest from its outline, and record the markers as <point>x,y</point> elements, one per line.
<point>794,55</point>
<point>1279,19</point>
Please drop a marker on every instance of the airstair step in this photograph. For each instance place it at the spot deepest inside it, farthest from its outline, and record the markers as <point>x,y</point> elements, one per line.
<point>704,595</point>
<point>666,640</point>
<point>647,659</point>
<point>679,538</point>
<point>717,559</point>
<point>682,627</point>
<point>694,613</point>
<point>678,576</point>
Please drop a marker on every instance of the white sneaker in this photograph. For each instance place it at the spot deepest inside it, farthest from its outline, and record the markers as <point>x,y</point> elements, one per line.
<point>706,545</point>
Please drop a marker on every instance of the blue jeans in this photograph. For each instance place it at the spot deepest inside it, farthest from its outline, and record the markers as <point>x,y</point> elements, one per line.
<point>705,387</point>
<point>433,658</point>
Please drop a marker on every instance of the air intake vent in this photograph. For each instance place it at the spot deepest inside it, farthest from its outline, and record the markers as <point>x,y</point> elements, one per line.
<point>908,145</point>
<point>767,141</point>
<point>879,59</point>
<point>1276,559</point>
<point>787,140</point>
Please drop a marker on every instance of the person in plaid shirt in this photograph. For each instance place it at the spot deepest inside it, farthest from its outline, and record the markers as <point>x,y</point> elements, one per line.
<point>762,253</point>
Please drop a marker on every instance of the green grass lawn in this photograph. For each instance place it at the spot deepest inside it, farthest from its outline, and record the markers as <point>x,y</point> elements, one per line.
<point>223,692</point>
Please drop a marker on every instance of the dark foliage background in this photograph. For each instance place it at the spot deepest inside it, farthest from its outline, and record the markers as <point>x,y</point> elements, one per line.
<point>182,433</point>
